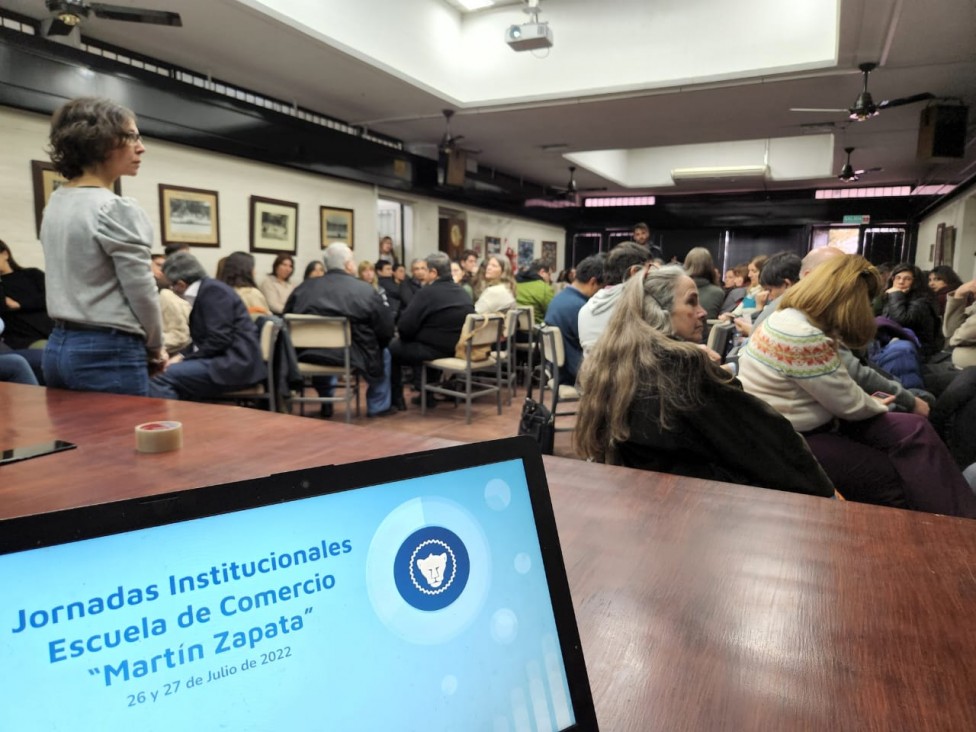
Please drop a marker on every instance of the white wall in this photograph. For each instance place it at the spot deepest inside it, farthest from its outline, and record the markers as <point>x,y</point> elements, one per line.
<point>24,136</point>
<point>961,213</point>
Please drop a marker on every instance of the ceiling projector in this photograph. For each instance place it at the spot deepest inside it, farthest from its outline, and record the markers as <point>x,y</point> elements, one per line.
<point>528,36</point>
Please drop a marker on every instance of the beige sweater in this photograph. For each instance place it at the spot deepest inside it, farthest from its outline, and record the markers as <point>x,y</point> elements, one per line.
<point>959,328</point>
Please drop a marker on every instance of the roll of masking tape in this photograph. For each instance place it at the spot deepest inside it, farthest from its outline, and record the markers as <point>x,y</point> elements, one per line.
<point>159,436</point>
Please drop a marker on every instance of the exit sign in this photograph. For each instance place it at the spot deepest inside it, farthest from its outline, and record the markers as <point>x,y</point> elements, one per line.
<point>857,219</point>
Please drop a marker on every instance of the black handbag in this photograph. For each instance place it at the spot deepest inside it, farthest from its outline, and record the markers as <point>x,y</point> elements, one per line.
<point>537,422</point>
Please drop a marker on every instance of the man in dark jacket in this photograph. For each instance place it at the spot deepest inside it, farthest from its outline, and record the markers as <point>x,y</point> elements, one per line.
<point>225,353</point>
<point>411,286</point>
<point>339,293</point>
<point>431,324</point>
<point>384,278</point>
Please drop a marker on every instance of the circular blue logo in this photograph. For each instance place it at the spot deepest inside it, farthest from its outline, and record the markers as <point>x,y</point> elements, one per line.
<point>431,568</point>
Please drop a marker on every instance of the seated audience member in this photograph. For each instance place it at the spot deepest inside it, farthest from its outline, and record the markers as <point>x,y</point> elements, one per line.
<point>469,263</point>
<point>652,399</point>
<point>276,287</point>
<point>496,290</point>
<point>226,352</point>
<point>411,286</point>
<point>384,278</point>
<point>942,281</point>
<point>533,288</point>
<point>386,253</point>
<point>340,294</point>
<point>238,272</point>
<point>728,283</point>
<point>22,302</point>
<point>624,260</point>
<point>367,273</point>
<point>909,302</point>
<point>458,275</point>
<point>754,298</point>
<point>430,326</point>
<point>701,268</point>
<point>314,269</point>
<point>959,327</point>
<point>871,455</point>
<point>780,273</point>
<point>14,368</point>
<point>176,311</point>
<point>564,310</point>
<point>399,274</point>
<point>738,290</point>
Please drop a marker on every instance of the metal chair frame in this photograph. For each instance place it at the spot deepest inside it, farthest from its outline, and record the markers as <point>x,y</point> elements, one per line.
<point>266,390</point>
<point>323,331</point>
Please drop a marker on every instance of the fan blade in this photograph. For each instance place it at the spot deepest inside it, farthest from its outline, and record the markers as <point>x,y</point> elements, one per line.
<point>136,15</point>
<point>59,28</point>
<point>815,109</point>
<point>925,96</point>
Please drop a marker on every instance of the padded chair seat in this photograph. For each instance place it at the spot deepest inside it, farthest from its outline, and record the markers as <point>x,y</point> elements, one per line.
<point>317,369</point>
<point>566,391</point>
<point>450,363</point>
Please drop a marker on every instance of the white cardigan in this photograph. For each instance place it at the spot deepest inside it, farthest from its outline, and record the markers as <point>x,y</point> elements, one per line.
<point>495,299</point>
<point>793,366</point>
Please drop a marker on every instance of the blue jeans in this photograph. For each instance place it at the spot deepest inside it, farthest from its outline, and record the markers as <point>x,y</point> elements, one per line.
<point>82,360</point>
<point>187,380</point>
<point>378,396</point>
<point>15,370</point>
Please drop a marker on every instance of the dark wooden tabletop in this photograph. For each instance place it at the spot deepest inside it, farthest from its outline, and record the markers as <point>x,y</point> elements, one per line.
<point>701,605</point>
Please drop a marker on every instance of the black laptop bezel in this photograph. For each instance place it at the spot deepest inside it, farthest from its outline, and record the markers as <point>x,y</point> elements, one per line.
<point>89,522</point>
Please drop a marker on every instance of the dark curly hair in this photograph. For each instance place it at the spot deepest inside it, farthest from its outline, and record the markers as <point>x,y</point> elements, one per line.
<point>83,133</point>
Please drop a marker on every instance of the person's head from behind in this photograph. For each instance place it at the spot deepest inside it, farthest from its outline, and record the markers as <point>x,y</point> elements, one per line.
<point>91,134</point>
<point>314,269</point>
<point>540,268</point>
<point>589,274</point>
<point>338,258</point>
<point>418,270</point>
<point>283,267</point>
<point>438,266</point>
<point>781,272</point>
<point>182,269</point>
<point>943,277</point>
<point>698,263</point>
<point>641,233</point>
<point>384,268</point>
<point>907,278</point>
<point>623,261</point>
<point>836,297</point>
<point>238,270</point>
<point>816,257</point>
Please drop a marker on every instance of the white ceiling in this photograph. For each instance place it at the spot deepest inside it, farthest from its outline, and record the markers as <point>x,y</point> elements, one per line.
<point>380,63</point>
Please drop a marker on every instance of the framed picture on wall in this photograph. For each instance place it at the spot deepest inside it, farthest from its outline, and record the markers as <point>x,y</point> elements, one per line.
<point>526,250</point>
<point>274,226</point>
<point>336,225</point>
<point>188,216</point>
<point>549,253</point>
<point>478,247</point>
<point>46,181</point>
<point>493,245</point>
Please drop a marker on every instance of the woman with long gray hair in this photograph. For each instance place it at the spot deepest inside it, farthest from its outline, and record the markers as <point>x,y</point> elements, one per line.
<point>654,399</point>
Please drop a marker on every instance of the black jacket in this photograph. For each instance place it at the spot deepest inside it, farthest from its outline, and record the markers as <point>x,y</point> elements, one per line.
<point>392,290</point>
<point>435,315</point>
<point>734,437</point>
<point>30,322</point>
<point>918,312</point>
<point>224,334</point>
<point>408,288</point>
<point>339,294</point>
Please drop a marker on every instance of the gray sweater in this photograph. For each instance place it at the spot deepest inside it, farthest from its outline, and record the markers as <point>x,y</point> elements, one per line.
<point>96,256</point>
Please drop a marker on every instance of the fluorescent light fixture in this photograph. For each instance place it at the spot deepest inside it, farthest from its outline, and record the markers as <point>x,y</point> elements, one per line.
<point>475,4</point>
<point>724,172</point>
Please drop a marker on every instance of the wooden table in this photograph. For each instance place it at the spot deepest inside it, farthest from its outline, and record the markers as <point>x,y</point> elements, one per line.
<point>701,605</point>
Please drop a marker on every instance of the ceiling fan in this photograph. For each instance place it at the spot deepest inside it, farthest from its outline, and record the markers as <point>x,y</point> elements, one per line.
<point>66,14</point>
<point>848,174</point>
<point>571,192</point>
<point>449,142</point>
<point>864,107</point>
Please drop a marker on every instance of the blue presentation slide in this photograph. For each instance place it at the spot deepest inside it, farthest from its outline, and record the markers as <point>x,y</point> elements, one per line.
<point>413,605</point>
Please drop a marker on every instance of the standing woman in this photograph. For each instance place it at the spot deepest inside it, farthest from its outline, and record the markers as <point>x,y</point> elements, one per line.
<point>100,288</point>
<point>276,286</point>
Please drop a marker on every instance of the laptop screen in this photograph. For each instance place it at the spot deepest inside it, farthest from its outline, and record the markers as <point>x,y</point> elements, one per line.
<point>433,600</point>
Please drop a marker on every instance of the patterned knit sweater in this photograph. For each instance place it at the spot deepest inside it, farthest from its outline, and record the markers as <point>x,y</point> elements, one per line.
<point>793,366</point>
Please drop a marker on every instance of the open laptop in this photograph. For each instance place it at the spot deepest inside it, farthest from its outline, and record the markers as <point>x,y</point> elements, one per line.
<point>422,592</point>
